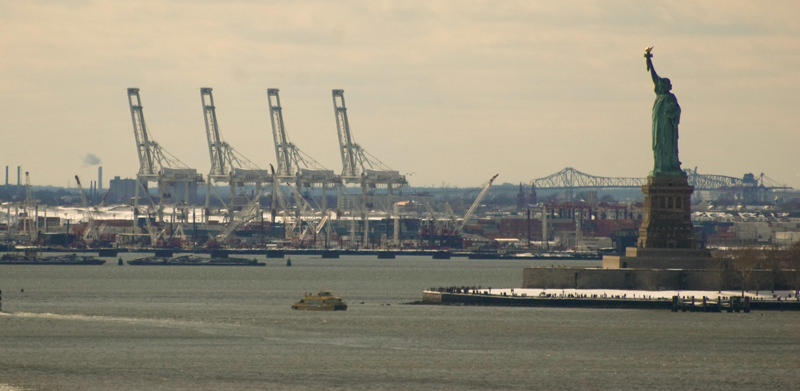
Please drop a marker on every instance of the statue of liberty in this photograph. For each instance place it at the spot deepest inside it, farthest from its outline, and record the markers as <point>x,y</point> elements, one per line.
<point>666,117</point>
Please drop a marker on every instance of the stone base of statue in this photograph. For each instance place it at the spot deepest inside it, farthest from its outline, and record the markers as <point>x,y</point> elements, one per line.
<point>666,236</point>
<point>667,221</point>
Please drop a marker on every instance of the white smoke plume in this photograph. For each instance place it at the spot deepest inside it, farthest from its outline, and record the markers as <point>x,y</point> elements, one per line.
<point>91,160</point>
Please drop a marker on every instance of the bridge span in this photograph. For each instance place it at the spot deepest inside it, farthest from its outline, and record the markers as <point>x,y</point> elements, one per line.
<point>572,179</point>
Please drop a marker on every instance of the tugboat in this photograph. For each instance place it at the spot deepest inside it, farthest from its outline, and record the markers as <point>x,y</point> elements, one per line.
<point>322,301</point>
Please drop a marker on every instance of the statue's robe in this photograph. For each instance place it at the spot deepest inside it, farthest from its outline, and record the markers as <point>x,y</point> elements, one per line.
<point>666,117</point>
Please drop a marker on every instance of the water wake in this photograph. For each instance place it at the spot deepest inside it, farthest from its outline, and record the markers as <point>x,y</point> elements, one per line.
<point>203,327</point>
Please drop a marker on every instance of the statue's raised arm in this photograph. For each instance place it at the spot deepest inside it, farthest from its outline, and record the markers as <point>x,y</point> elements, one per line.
<point>666,117</point>
<point>650,68</point>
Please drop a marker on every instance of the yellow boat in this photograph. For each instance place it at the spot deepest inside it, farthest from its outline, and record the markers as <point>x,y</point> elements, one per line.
<point>322,301</point>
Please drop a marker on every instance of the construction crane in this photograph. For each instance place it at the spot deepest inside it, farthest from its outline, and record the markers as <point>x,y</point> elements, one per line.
<point>474,205</point>
<point>157,165</point>
<point>227,165</point>
<point>358,166</point>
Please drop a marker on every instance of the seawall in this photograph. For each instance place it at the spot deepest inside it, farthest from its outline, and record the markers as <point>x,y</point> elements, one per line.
<point>444,298</point>
<point>609,302</point>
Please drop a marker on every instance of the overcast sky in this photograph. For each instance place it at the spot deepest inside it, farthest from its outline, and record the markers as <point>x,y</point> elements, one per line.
<point>448,92</point>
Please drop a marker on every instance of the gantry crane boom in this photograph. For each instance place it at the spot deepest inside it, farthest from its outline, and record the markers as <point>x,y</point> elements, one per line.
<point>292,162</point>
<point>146,149</point>
<point>347,149</point>
<point>356,161</point>
<point>218,151</point>
<point>282,147</point>
<point>154,166</point>
<point>153,161</point>
<point>226,162</point>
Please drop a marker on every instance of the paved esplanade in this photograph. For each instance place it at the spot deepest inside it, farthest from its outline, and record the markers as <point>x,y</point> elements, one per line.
<point>666,117</point>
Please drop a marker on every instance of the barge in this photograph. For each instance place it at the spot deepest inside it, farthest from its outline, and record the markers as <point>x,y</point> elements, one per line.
<point>193,260</point>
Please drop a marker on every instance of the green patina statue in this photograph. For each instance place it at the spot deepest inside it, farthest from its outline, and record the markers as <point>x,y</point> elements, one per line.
<point>666,117</point>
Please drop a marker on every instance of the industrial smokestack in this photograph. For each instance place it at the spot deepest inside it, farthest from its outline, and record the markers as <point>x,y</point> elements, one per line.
<point>100,178</point>
<point>6,175</point>
<point>19,178</point>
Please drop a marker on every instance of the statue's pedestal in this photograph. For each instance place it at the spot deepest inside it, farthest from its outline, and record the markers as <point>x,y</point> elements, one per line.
<point>667,221</point>
<point>666,236</point>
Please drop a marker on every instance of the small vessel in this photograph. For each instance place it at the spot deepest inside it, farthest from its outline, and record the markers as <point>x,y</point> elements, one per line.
<point>30,258</point>
<point>322,301</point>
<point>192,260</point>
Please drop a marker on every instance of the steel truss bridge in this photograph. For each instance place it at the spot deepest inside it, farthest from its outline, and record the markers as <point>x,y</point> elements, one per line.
<point>571,179</point>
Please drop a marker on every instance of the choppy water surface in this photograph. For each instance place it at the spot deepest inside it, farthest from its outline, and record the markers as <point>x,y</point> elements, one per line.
<point>231,328</point>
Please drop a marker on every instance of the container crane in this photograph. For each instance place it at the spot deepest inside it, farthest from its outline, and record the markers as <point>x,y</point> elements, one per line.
<point>357,163</point>
<point>227,165</point>
<point>157,165</point>
<point>358,166</point>
<point>295,168</point>
<point>292,162</point>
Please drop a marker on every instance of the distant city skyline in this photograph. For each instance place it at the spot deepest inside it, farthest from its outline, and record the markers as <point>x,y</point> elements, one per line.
<point>446,92</point>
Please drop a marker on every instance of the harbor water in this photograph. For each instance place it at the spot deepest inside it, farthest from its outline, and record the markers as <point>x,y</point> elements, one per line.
<point>127,327</point>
